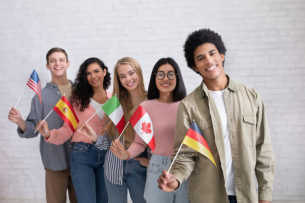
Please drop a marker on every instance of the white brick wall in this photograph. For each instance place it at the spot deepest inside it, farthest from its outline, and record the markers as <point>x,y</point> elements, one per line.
<point>264,38</point>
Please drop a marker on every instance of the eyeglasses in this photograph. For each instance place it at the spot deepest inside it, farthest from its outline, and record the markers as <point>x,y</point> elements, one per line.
<point>170,75</point>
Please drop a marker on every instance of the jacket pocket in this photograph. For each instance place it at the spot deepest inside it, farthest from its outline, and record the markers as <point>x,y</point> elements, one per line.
<point>249,125</point>
<point>205,123</point>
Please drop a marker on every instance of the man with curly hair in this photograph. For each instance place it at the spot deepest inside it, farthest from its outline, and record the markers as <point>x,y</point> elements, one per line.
<point>233,120</point>
<point>55,158</point>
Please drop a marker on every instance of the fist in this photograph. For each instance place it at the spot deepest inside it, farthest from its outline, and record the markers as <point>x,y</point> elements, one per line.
<point>14,115</point>
<point>167,182</point>
<point>43,128</point>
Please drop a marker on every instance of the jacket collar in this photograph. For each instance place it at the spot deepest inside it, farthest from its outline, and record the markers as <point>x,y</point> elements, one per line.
<point>231,86</point>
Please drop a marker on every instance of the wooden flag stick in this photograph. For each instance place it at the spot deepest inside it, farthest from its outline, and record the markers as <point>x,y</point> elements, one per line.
<point>123,130</point>
<point>43,120</point>
<point>19,99</point>
<point>174,158</point>
<point>89,119</point>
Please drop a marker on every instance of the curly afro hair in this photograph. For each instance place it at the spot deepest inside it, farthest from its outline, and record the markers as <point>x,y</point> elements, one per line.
<point>198,38</point>
<point>81,89</point>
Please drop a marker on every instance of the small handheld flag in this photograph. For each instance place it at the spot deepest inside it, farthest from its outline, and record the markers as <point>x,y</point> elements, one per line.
<point>65,110</point>
<point>194,138</point>
<point>142,124</point>
<point>34,84</point>
<point>114,111</point>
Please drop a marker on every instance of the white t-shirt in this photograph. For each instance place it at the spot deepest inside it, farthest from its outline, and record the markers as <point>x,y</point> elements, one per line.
<point>97,107</point>
<point>218,97</point>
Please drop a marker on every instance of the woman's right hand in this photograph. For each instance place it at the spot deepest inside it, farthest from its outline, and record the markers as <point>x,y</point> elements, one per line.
<point>119,150</point>
<point>88,132</point>
<point>43,128</point>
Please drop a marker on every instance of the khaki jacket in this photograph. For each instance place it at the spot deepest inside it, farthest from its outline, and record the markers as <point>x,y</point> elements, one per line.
<point>251,147</point>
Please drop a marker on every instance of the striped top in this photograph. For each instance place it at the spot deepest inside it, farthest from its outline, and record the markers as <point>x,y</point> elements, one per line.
<point>113,165</point>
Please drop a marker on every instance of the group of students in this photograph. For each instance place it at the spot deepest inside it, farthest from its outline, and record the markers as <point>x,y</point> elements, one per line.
<point>103,168</point>
<point>101,174</point>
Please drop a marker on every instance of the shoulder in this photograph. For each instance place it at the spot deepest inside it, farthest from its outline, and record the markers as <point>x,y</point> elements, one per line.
<point>109,94</point>
<point>246,90</point>
<point>192,98</point>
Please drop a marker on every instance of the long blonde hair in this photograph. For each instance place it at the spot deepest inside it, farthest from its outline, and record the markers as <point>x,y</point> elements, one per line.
<point>124,96</point>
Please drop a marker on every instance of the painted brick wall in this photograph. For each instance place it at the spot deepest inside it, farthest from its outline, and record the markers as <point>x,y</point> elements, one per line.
<point>264,38</point>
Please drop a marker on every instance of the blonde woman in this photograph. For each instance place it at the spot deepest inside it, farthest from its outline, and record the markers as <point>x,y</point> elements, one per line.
<point>121,175</point>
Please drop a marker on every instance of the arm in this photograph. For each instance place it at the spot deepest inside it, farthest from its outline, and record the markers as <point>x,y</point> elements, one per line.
<point>55,136</point>
<point>137,147</point>
<point>102,142</point>
<point>265,163</point>
<point>185,161</point>
<point>26,128</point>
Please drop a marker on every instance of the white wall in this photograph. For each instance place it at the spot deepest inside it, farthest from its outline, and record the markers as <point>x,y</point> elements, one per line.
<point>264,38</point>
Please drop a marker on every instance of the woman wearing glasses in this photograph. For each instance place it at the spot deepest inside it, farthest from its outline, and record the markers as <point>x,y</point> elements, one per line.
<point>166,89</point>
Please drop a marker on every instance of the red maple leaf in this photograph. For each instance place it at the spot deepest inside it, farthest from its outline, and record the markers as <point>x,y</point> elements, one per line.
<point>146,128</point>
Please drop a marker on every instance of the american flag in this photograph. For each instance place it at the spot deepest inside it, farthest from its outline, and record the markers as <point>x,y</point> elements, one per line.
<point>34,84</point>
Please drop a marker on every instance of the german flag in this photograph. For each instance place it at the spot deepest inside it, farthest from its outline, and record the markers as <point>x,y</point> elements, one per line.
<point>65,110</point>
<point>194,138</point>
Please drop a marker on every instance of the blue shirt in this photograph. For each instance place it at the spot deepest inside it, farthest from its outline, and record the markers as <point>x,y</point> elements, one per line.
<point>54,157</point>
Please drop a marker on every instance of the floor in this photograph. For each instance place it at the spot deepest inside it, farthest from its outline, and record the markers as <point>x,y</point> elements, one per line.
<point>43,201</point>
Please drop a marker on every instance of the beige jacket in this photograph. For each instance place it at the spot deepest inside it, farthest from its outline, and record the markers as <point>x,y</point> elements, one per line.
<point>251,147</point>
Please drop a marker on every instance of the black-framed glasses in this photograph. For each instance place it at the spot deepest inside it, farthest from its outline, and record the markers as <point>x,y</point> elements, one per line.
<point>170,75</point>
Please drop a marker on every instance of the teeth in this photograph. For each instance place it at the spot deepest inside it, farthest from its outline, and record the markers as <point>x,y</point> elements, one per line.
<point>211,68</point>
<point>165,85</point>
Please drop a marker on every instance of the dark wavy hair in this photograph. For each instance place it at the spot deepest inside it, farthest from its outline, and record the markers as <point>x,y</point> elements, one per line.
<point>81,89</point>
<point>198,38</point>
<point>179,91</point>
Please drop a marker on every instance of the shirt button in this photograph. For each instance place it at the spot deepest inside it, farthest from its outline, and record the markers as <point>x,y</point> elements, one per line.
<point>58,92</point>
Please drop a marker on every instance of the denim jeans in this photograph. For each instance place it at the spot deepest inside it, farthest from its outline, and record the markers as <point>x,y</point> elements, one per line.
<point>134,177</point>
<point>152,193</point>
<point>87,173</point>
<point>232,199</point>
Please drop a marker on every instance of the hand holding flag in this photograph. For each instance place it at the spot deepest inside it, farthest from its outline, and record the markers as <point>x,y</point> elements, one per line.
<point>43,128</point>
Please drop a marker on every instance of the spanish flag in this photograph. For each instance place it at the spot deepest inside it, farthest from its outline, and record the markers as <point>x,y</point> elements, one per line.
<point>65,110</point>
<point>194,139</point>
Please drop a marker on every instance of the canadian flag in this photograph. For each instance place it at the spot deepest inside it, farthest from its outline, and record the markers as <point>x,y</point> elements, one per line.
<point>142,124</point>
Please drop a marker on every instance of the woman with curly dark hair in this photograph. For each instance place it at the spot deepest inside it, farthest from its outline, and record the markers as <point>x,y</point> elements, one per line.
<point>88,95</point>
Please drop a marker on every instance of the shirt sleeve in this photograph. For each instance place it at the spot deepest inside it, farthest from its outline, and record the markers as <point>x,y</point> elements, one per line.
<point>103,142</point>
<point>185,161</point>
<point>31,121</point>
<point>265,162</point>
<point>137,147</point>
<point>60,136</point>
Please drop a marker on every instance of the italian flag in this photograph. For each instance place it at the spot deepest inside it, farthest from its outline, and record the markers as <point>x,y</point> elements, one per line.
<point>114,111</point>
<point>142,124</point>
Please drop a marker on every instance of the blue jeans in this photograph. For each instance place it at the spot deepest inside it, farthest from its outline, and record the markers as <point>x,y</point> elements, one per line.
<point>152,193</point>
<point>87,173</point>
<point>134,177</point>
<point>232,199</point>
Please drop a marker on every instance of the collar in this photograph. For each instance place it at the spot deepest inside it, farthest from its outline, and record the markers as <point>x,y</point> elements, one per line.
<point>52,85</point>
<point>231,86</point>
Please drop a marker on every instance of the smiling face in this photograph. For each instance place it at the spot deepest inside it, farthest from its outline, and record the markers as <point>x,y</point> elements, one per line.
<point>95,75</point>
<point>128,77</point>
<point>166,85</point>
<point>208,62</point>
<point>57,64</point>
